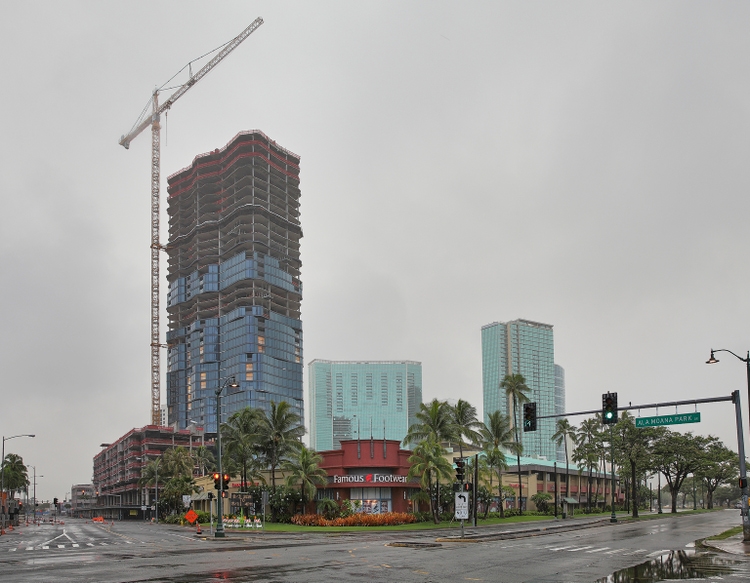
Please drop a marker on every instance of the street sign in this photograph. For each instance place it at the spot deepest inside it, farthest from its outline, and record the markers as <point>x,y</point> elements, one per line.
<point>143,508</point>
<point>668,420</point>
<point>191,516</point>
<point>462,506</point>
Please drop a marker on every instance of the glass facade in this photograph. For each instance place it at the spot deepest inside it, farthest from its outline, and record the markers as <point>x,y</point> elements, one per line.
<point>234,288</point>
<point>560,404</point>
<point>524,347</point>
<point>350,400</point>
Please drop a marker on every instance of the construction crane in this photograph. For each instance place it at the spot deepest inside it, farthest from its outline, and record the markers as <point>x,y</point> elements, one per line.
<point>140,125</point>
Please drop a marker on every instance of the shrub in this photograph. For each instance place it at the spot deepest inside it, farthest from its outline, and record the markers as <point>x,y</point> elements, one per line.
<point>360,519</point>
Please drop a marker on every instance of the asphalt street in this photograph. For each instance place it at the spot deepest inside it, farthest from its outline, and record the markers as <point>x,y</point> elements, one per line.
<point>79,551</point>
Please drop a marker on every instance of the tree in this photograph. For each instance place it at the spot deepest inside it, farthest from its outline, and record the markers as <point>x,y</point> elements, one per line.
<point>497,436</point>
<point>177,461</point>
<point>466,424</point>
<point>280,433</point>
<point>588,450</point>
<point>434,421</point>
<point>676,456</point>
<point>541,501</point>
<point>718,466</point>
<point>633,447</point>
<point>204,459</point>
<point>516,389</point>
<point>241,435</point>
<point>304,470</point>
<point>429,465</point>
<point>15,474</point>
<point>563,432</point>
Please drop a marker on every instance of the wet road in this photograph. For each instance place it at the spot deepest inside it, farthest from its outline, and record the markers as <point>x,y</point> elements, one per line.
<point>83,552</point>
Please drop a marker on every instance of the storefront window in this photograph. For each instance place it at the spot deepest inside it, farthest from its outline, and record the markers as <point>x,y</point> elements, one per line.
<point>373,500</point>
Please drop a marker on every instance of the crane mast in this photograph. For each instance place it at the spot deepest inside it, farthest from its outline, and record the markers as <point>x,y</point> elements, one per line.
<point>140,125</point>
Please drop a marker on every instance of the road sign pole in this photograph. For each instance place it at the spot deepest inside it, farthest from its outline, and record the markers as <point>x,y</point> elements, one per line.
<point>613,518</point>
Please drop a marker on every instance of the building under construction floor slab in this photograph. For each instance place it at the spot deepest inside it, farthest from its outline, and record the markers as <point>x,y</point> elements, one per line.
<point>234,281</point>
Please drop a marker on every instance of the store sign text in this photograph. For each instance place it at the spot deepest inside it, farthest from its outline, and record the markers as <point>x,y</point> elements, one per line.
<point>369,478</point>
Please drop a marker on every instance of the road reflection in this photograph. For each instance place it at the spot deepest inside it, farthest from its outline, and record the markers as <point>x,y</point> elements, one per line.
<point>674,565</point>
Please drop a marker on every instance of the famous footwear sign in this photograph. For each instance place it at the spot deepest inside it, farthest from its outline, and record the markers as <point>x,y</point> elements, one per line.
<point>370,479</point>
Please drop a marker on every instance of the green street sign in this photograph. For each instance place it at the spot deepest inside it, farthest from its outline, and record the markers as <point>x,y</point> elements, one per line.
<point>668,420</point>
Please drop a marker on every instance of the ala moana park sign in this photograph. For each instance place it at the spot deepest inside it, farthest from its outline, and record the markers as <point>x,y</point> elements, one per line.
<point>677,419</point>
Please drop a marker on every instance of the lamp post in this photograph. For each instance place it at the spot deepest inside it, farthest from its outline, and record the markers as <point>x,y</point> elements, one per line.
<point>230,382</point>
<point>746,360</point>
<point>34,484</point>
<point>2,471</point>
<point>740,442</point>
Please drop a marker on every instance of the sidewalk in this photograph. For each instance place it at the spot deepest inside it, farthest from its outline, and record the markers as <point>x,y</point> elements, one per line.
<point>733,545</point>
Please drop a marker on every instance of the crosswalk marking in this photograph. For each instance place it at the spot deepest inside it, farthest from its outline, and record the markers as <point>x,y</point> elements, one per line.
<point>89,544</point>
<point>11,550</point>
<point>636,552</point>
<point>615,551</point>
<point>76,545</point>
<point>561,548</point>
<point>29,548</point>
<point>598,550</point>
<point>45,547</point>
<point>60,546</point>
<point>579,549</point>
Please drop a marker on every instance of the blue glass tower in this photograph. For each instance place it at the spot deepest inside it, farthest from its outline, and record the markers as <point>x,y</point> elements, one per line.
<point>351,400</point>
<point>234,287</point>
<point>524,347</point>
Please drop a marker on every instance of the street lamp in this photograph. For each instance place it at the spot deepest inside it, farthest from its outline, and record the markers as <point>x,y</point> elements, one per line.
<point>740,440</point>
<point>34,503</point>
<point>230,382</point>
<point>2,471</point>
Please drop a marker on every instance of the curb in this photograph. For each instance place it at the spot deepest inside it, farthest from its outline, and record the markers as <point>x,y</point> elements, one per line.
<point>528,532</point>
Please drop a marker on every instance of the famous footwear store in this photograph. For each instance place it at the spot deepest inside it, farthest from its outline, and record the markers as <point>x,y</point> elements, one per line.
<point>371,472</point>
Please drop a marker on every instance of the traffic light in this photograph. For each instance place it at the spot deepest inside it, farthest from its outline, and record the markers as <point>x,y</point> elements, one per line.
<point>529,416</point>
<point>217,479</point>
<point>743,483</point>
<point>210,495</point>
<point>460,468</point>
<point>609,408</point>
<point>55,502</point>
<point>226,482</point>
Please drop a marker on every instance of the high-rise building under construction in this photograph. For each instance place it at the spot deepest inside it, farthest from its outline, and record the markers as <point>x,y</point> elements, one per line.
<point>234,288</point>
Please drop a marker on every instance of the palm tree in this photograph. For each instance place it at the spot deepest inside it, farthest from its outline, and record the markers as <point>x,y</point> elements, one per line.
<point>280,432</point>
<point>516,389</point>
<point>204,459</point>
<point>177,461</point>
<point>15,474</point>
<point>498,463</point>
<point>466,424</point>
<point>497,436</point>
<point>435,421</point>
<point>241,436</point>
<point>429,465</point>
<point>588,438</point>
<point>304,469</point>
<point>564,432</point>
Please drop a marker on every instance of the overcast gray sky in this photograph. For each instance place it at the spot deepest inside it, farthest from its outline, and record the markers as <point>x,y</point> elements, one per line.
<point>582,164</point>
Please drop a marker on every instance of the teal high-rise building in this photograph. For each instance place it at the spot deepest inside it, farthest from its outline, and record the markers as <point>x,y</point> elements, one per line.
<point>524,347</point>
<point>356,399</point>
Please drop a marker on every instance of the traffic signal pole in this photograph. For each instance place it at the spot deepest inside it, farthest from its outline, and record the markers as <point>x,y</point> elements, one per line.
<point>743,469</point>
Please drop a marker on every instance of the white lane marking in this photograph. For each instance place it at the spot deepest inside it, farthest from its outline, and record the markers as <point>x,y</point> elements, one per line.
<point>104,544</point>
<point>639,551</point>
<point>580,549</point>
<point>89,544</point>
<point>60,546</point>
<point>29,548</point>
<point>76,545</point>
<point>561,548</point>
<point>598,550</point>
<point>615,551</point>
<point>45,547</point>
<point>655,553</point>
<point>11,550</point>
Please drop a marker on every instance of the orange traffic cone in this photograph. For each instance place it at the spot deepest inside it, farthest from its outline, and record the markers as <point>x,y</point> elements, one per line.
<point>198,531</point>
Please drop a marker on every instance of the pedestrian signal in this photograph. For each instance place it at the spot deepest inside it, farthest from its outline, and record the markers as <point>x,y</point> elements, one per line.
<point>529,416</point>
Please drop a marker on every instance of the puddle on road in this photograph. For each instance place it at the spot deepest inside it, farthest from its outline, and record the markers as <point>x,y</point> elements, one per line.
<point>675,565</point>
